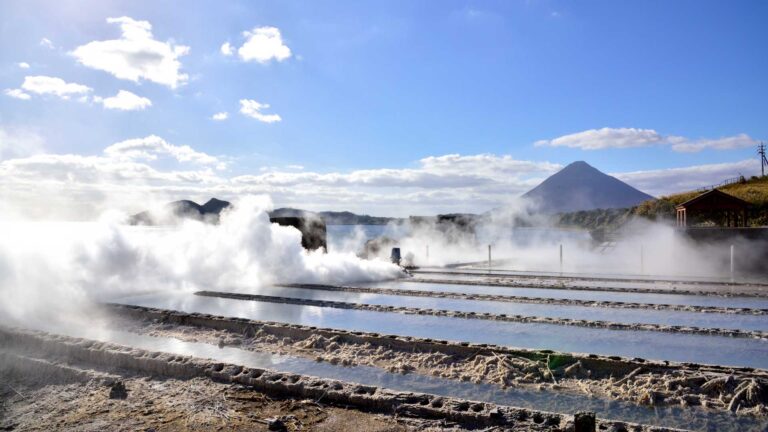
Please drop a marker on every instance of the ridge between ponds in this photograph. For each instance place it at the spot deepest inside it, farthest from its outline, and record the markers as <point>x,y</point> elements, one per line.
<point>753,334</point>
<point>532,300</point>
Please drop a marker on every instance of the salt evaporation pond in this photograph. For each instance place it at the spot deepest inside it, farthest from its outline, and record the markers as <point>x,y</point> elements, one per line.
<point>646,316</point>
<point>645,344</point>
<point>690,418</point>
<point>627,297</point>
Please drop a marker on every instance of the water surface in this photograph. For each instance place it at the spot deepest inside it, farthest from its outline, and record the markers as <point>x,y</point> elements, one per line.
<point>689,418</point>
<point>645,344</point>
<point>646,316</point>
<point>653,298</point>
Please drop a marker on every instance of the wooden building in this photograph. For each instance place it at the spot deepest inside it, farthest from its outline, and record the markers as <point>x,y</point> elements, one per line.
<point>716,206</point>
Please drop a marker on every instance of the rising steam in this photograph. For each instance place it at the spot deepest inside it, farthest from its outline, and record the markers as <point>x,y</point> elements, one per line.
<point>52,271</point>
<point>522,239</point>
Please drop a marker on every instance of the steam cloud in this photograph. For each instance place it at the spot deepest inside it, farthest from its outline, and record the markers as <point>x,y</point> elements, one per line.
<point>51,272</point>
<point>523,239</point>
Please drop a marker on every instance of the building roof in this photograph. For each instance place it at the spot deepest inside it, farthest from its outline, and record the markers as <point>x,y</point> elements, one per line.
<point>714,200</point>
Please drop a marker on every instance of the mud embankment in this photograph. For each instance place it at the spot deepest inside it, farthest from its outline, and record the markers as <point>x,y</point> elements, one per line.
<point>751,285</point>
<point>368,398</point>
<point>635,380</point>
<point>720,291</point>
<point>533,300</point>
<point>48,371</point>
<point>693,330</point>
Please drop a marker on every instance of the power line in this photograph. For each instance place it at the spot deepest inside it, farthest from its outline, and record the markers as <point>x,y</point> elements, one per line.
<point>763,160</point>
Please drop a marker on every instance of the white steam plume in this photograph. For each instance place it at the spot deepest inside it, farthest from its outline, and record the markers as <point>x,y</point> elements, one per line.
<point>524,240</point>
<point>53,271</point>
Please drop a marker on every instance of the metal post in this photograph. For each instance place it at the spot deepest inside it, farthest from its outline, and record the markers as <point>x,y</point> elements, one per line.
<point>731,263</point>
<point>561,257</point>
<point>489,258</point>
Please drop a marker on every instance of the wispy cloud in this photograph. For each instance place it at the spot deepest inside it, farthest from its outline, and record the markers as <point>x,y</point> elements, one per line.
<point>17,94</point>
<point>45,42</point>
<point>150,147</point>
<point>125,101</point>
<point>15,142</point>
<point>684,145</point>
<point>251,108</point>
<point>671,180</point>
<point>598,139</point>
<point>46,85</point>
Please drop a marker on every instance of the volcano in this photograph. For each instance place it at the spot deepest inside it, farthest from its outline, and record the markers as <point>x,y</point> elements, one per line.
<point>580,186</point>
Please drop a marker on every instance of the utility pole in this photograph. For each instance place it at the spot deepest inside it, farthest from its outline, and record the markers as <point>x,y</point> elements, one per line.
<point>763,160</point>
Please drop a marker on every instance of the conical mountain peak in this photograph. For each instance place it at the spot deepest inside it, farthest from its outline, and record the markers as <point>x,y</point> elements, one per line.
<point>580,186</point>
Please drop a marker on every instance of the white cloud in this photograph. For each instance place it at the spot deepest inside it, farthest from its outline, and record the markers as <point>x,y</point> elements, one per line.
<point>45,85</point>
<point>252,108</point>
<point>491,165</point>
<point>150,147</point>
<point>23,65</point>
<point>226,49</point>
<point>136,55</point>
<point>17,93</point>
<point>724,143</point>
<point>220,116</point>
<point>449,171</point>
<point>18,143</point>
<point>672,180</point>
<point>597,139</point>
<point>45,42</point>
<point>136,171</point>
<point>263,44</point>
<point>127,170</point>
<point>126,101</point>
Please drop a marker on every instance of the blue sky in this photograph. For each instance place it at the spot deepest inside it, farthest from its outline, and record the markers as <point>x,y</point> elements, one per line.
<point>376,99</point>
